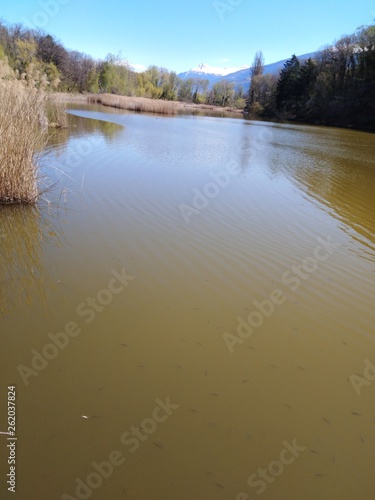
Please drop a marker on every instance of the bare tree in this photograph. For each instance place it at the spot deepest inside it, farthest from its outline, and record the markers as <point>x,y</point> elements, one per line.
<point>257,67</point>
<point>256,71</point>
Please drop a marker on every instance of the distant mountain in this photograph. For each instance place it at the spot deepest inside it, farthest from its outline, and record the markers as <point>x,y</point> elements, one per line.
<point>238,76</point>
<point>210,73</point>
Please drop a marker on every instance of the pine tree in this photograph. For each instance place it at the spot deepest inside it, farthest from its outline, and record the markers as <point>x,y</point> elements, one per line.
<point>289,87</point>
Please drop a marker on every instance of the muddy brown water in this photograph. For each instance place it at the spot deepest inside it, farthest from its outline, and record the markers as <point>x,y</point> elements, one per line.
<point>203,290</point>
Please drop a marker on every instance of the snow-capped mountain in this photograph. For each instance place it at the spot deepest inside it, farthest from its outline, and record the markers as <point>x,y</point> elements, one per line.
<point>210,73</point>
<point>205,69</point>
<point>238,76</point>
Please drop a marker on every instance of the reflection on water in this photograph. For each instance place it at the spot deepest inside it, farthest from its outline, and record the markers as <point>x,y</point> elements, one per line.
<point>22,276</point>
<point>79,137</point>
<point>195,282</point>
<point>334,167</point>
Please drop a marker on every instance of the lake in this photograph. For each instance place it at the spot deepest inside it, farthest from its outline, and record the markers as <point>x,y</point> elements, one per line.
<point>189,312</point>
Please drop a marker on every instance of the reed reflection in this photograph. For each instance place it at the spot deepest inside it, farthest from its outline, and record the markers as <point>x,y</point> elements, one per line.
<point>23,281</point>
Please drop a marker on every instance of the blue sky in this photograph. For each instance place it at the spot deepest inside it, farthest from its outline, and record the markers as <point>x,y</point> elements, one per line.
<point>179,35</point>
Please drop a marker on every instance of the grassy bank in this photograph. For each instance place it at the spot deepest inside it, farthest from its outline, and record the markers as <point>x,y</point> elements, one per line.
<point>146,105</point>
<point>137,104</point>
<point>22,127</point>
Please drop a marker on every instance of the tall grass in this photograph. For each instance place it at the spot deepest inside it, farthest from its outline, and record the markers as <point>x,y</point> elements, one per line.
<point>56,113</point>
<point>22,125</point>
<point>138,104</point>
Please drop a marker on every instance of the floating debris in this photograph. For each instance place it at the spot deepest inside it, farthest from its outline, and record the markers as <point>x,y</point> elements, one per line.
<point>219,486</point>
<point>63,284</point>
<point>327,421</point>
<point>86,417</point>
<point>159,444</point>
<point>314,451</point>
<point>357,414</point>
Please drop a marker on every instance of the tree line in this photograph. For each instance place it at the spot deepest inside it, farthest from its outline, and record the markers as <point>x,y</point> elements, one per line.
<point>336,87</point>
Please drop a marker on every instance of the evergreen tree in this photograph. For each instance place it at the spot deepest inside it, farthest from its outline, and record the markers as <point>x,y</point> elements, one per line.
<point>289,87</point>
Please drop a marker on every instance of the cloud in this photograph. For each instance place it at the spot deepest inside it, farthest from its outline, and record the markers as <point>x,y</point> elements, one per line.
<point>224,60</point>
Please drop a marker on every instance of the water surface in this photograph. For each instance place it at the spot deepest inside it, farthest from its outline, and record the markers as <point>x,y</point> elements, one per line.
<point>201,216</point>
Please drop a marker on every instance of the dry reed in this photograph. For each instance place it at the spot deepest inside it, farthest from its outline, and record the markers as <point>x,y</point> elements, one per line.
<point>137,104</point>
<point>56,113</point>
<point>143,104</point>
<point>22,125</point>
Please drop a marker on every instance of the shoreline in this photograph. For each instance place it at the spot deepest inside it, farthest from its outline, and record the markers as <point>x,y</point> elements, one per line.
<point>144,104</point>
<point>173,108</point>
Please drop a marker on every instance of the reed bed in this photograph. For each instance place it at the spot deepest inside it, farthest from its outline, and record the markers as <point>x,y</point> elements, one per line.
<point>137,104</point>
<point>143,104</point>
<point>22,133</point>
